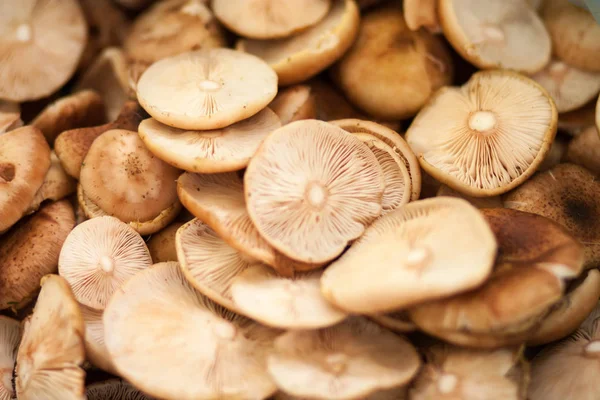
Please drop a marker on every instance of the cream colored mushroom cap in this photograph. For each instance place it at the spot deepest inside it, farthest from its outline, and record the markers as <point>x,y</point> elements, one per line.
<point>479,202</point>
<point>10,337</point>
<point>114,389</point>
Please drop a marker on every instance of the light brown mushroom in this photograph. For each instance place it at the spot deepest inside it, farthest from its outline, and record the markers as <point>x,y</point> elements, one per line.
<point>584,150</point>
<point>294,103</point>
<point>422,13</point>
<point>486,137</point>
<point>57,185</point>
<point>162,244</point>
<point>479,202</point>
<point>10,116</point>
<point>10,337</point>
<point>95,349</point>
<point>114,389</point>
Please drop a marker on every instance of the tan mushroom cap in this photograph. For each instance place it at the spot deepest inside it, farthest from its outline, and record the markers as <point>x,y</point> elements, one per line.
<point>294,103</point>
<point>52,350</point>
<point>30,250</point>
<point>302,56</point>
<point>397,321</point>
<point>311,188</point>
<point>114,389</point>
<point>567,194</point>
<point>346,361</point>
<point>99,256</point>
<point>392,139</point>
<point>206,89</point>
<point>574,122</point>
<point>486,137</point>
<point>584,150</point>
<point>10,337</point>
<point>479,202</point>
<point>281,302</point>
<point>41,43</point>
<point>10,116</point>
<point>24,162</point>
<point>407,264</point>
<point>162,244</point>
<point>95,348</point>
<point>498,34</point>
<point>404,67</point>
<point>57,185</point>
<point>422,13</point>
<point>209,151</point>
<point>224,353</point>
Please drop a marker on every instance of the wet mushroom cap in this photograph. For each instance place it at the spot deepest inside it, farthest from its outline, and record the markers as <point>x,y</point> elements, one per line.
<point>95,349</point>
<point>10,337</point>
<point>114,389</point>
<point>10,116</point>
<point>294,103</point>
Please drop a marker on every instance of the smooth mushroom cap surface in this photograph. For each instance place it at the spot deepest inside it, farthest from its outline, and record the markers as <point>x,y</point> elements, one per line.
<point>584,150</point>
<point>10,116</point>
<point>57,185</point>
<point>479,202</point>
<point>206,89</point>
<point>114,389</point>
<point>162,244</point>
<point>10,337</point>
<point>422,13</point>
<point>487,136</point>
<point>95,348</point>
<point>294,103</point>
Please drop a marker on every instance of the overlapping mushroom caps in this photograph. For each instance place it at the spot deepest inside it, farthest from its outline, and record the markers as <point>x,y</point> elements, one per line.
<point>486,137</point>
<point>295,103</point>
<point>10,337</point>
<point>397,321</point>
<point>114,389</point>
<point>162,244</point>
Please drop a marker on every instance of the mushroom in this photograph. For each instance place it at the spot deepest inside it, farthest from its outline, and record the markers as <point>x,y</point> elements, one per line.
<point>404,67</point>
<point>496,34</point>
<point>352,359</point>
<point>24,162</point>
<point>302,56</point>
<point>30,250</point>
<point>567,194</point>
<point>99,256</point>
<point>397,321</point>
<point>574,122</point>
<point>57,185</point>
<point>269,19</point>
<point>52,351</point>
<point>486,137</point>
<point>311,188</point>
<point>209,151</point>
<point>127,181</point>
<point>114,389</point>
<point>407,264</point>
<point>41,43</point>
<point>95,348</point>
<point>584,150</point>
<point>162,244</point>
<point>206,89</point>
<point>10,116</point>
<point>10,337</point>
<point>422,13</point>
<point>479,202</point>
<point>225,353</point>
<point>294,103</point>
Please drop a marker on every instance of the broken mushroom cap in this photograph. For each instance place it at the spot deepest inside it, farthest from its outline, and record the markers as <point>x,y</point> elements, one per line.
<point>329,187</point>
<point>479,202</point>
<point>480,139</point>
<point>10,337</point>
<point>98,256</point>
<point>352,359</point>
<point>95,349</point>
<point>206,89</point>
<point>10,116</point>
<point>407,263</point>
<point>114,389</point>
<point>162,244</point>
<point>503,34</point>
<point>209,151</point>
<point>294,103</point>
<point>397,321</point>
<point>226,353</point>
<point>421,13</point>
<point>57,185</point>
<point>52,350</point>
<point>302,56</point>
<point>584,150</point>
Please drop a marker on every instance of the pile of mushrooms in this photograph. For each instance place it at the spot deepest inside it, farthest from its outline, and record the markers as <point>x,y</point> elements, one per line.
<point>299,199</point>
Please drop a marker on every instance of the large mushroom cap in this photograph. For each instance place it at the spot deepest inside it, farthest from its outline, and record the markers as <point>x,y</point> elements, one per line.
<point>206,89</point>
<point>195,349</point>
<point>10,337</point>
<point>311,188</point>
<point>209,151</point>
<point>52,351</point>
<point>486,137</point>
<point>114,389</point>
<point>95,348</point>
<point>410,253</point>
<point>10,116</point>
<point>346,361</point>
<point>496,33</point>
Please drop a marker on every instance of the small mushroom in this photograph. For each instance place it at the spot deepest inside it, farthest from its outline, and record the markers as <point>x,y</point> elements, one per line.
<point>10,116</point>
<point>95,348</point>
<point>57,185</point>
<point>584,150</point>
<point>422,13</point>
<point>397,321</point>
<point>10,337</point>
<point>162,244</point>
<point>114,389</point>
<point>294,103</point>
<point>479,202</point>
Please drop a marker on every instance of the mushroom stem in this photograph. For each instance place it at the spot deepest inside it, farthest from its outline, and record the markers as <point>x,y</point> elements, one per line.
<point>417,256</point>
<point>592,349</point>
<point>224,330</point>
<point>23,33</point>
<point>482,121</point>
<point>447,383</point>
<point>336,363</point>
<point>107,264</point>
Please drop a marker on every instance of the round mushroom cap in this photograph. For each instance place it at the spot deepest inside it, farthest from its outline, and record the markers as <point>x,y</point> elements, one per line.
<point>302,56</point>
<point>352,359</point>
<point>567,194</point>
<point>294,103</point>
<point>126,180</point>
<point>52,350</point>
<point>99,256</point>
<point>57,185</point>
<point>486,137</point>
<point>421,13</point>
<point>496,34</point>
<point>10,116</point>
<point>209,151</point>
<point>206,89</point>
<point>95,348</point>
<point>397,321</point>
<point>41,42</point>
<point>403,67</point>
<point>584,150</point>
<point>10,337</point>
<point>410,253</point>
<point>225,354</point>
<point>162,244</point>
<point>24,162</point>
<point>311,188</point>
<point>114,389</point>
<point>479,202</point>
<point>269,19</point>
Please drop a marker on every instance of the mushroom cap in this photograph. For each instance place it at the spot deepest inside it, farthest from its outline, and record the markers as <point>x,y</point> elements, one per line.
<point>57,185</point>
<point>345,361</point>
<point>498,34</point>
<point>302,56</point>
<point>281,302</point>
<point>224,353</point>
<point>392,139</point>
<point>209,151</point>
<point>30,250</point>
<point>479,202</point>
<point>294,103</point>
<point>397,321</point>
<point>486,137</point>
<point>311,188</point>
<point>206,89</point>
<point>114,389</point>
<point>125,179</point>
<point>407,264</point>
<point>54,31</point>
<point>10,337</point>
<point>403,67</point>
<point>569,87</point>
<point>10,116</point>
<point>567,194</point>
<point>162,244</point>
<point>95,348</point>
<point>24,162</point>
<point>269,19</point>
<point>584,150</point>
<point>99,256</point>
<point>52,350</point>
<point>533,251</point>
<point>422,13</point>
